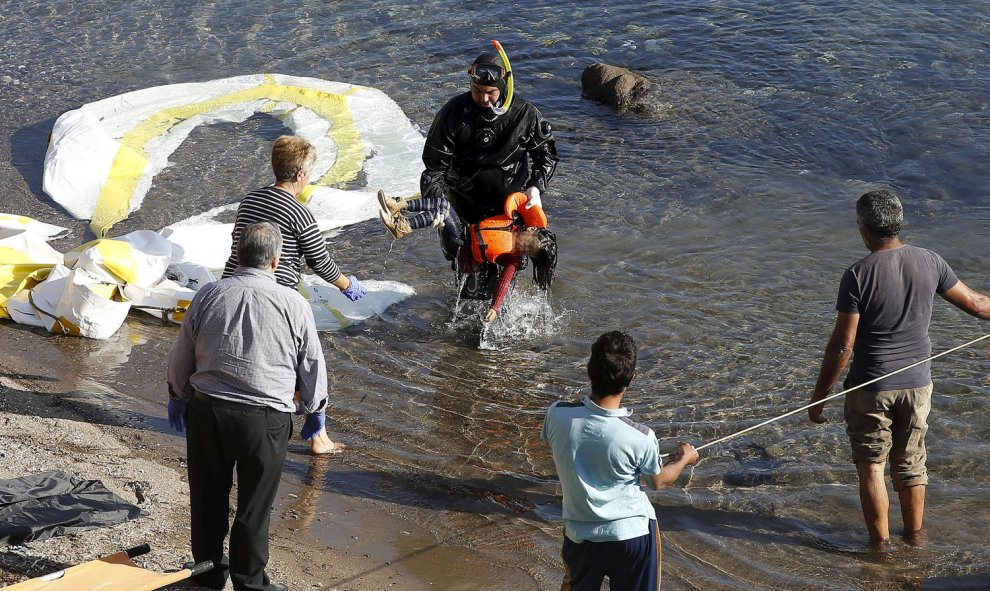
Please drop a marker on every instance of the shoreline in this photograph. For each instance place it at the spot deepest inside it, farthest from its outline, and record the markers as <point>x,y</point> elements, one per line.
<point>53,418</point>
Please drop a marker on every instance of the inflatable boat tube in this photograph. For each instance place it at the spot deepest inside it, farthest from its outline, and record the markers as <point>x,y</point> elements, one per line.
<point>103,156</point>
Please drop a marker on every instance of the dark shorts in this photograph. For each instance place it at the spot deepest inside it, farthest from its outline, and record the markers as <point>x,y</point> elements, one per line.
<point>630,565</point>
<point>891,424</point>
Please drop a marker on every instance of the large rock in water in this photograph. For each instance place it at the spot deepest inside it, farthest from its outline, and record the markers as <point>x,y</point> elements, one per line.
<point>617,87</point>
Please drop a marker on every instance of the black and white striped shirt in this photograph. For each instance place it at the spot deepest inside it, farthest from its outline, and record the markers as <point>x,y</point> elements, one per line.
<point>300,235</point>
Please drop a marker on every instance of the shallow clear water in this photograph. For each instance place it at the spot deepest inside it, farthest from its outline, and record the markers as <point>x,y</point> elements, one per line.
<point>713,226</point>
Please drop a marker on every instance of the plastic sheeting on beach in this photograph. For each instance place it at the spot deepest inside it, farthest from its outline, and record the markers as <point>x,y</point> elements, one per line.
<point>103,156</point>
<point>25,256</point>
<point>94,286</point>
<point>332,310</point>
<point>40,506</point>
<point>89,290</point>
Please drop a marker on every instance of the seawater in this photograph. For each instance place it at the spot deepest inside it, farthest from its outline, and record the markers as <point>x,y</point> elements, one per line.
<point>713,225</point>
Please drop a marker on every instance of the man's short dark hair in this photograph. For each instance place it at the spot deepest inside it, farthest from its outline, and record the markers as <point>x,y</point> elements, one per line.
<point>612,364</point>
<point>882,213</point>
<point>258,245</point>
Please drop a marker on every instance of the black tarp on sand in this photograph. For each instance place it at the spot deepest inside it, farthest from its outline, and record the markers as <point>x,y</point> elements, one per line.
<point>40,506</point>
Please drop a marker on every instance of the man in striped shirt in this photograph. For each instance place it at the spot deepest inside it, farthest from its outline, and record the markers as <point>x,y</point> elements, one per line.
<point>292,163</point>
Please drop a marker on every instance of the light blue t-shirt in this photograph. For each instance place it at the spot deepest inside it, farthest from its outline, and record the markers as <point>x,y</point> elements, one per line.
<point>600,455</point>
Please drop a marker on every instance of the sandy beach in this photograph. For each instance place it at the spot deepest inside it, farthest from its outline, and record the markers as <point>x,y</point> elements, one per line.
<point>50,418</point>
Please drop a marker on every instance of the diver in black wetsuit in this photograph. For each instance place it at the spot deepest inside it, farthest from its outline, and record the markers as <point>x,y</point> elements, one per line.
<point>483,145</point>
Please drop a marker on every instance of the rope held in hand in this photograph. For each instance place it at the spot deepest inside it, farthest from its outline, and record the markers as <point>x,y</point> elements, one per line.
<point>827,398</point>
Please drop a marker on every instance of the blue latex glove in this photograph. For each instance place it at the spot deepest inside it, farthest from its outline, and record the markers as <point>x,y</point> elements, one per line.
<point>177,414</point>
<point>313,425</point>
<point>355,291</point>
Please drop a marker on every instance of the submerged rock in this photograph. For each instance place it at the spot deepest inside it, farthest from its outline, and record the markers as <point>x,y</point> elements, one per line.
<point>617,87</point>
<point>755,473</point>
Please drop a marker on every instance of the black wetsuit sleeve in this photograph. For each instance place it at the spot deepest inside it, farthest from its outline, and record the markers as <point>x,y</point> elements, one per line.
<point>438,153</point>
<point>542,149</point>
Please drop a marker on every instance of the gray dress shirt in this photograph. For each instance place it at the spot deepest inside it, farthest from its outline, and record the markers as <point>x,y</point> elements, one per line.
<point>247,339</point>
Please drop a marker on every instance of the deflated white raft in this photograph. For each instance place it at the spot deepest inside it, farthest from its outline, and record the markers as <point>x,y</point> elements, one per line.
<point>332,310</point>
<point>102,159</point>
<point>25,256</point>
<point>90,290</point>
<point>103,156</point>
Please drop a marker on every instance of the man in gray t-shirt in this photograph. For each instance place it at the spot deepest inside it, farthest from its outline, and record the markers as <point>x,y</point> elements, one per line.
<point>892,290</point>
<point>884,308</point>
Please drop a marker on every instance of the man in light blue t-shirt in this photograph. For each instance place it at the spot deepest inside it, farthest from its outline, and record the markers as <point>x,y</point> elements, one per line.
<point>610,526</point>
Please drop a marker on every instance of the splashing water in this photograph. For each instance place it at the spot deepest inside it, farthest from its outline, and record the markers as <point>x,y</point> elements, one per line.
<point>463,308</point>
<point>526,315</point>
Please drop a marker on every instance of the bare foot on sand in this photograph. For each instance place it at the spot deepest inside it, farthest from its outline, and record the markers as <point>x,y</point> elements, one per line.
<point>322,444</point>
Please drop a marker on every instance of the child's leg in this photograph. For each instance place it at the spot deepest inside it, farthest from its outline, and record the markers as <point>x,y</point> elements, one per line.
<point>510,264</point>
<point>427,211</point>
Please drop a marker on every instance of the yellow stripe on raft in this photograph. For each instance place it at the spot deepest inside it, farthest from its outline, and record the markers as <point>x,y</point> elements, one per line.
<point>116,256</point>
<point>18,271</point>
<point>22,220</point>
<point>131,160</point>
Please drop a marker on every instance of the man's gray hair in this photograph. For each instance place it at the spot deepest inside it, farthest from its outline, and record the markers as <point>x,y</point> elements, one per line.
<point>882,213</point>
<point>258,245</point>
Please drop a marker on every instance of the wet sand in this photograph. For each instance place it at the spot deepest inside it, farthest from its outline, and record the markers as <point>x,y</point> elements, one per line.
<point>53,417</point>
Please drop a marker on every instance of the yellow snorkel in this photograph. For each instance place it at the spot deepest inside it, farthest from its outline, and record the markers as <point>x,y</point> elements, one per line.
<point>508,75</point>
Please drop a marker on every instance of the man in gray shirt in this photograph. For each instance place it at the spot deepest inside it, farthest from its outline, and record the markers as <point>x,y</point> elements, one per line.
<point>246,347</point>
<point>884,310</point>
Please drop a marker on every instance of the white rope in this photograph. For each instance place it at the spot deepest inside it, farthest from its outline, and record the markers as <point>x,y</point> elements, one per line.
<point>827,398</point>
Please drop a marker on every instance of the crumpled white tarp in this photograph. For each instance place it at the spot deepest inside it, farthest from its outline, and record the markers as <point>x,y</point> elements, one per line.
<point>86,306</point>
<point>10,224</point>
<point>91,294</point>
<point>25,255</point>
<point>100,282</point>
<point>170,297</point>
<point>333,311</point>
<point>139,258</point>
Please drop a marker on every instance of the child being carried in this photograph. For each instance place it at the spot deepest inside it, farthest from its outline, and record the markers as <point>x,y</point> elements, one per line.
<point>505,240</point>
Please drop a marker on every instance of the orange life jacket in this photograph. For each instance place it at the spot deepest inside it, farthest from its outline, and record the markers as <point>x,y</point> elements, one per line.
<point>532,217</point>
<point>492,237</point>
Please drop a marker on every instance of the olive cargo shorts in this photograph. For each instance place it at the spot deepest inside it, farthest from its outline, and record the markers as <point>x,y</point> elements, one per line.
<point>891,423</point>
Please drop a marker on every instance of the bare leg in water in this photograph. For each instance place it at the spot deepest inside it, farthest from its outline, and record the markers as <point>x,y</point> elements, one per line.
<point>912,501</point>
<point>873,497</point>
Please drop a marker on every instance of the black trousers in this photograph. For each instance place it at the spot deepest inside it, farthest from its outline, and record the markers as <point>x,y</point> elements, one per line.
<point>223,437</point>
